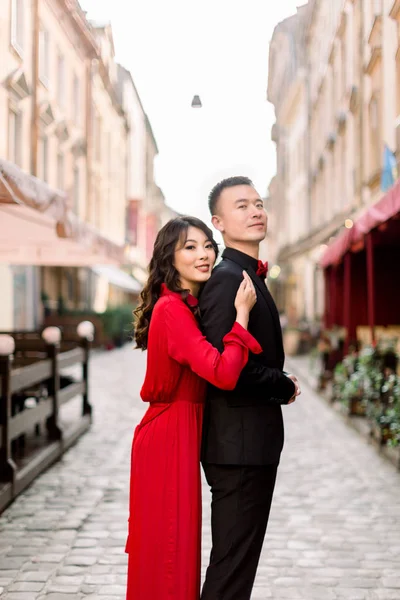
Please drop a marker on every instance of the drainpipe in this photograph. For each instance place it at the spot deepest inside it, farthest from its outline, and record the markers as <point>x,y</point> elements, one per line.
<point>39,272</point>
<point>308,138</point>
<point>89,209</point>
<point>361,115</point>
<point>371,284</point>
<point>308,148</point>
<point>347,316</point>
<point>35,78</point>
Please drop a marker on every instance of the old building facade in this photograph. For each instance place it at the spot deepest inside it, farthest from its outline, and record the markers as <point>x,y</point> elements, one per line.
<point>347,114</point>
<point>147,211</point>
<point>67,124</point>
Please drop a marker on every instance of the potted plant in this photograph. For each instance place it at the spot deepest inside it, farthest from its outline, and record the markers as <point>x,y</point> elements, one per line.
<point>348,385</point>
<point>340,377</point>
<point>353,394</point>
<point>385,413</point>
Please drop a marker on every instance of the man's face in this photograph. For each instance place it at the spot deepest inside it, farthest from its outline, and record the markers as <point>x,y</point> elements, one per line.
<point>240,215</point>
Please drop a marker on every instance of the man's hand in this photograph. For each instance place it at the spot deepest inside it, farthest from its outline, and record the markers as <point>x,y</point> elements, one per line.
<point>297,390</point>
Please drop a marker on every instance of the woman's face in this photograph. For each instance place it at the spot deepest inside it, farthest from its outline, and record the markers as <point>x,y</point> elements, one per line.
<point>194,260</point>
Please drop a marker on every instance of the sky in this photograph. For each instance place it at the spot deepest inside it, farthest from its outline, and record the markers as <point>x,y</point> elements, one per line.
<point>217,49</point>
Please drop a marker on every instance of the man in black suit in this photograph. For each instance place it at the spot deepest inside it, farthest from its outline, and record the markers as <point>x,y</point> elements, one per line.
<point>243,429</point>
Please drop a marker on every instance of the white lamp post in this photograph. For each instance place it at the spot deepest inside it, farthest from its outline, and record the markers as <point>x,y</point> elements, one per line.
<point>52,335</point>
<point>7,345</point>
<point>85,329</point>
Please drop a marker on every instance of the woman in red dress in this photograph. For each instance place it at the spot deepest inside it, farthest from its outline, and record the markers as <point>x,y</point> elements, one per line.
<point>165,488</point>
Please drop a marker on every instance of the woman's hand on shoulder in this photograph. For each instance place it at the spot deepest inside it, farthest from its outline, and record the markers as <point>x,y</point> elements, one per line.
<point>246,296</point>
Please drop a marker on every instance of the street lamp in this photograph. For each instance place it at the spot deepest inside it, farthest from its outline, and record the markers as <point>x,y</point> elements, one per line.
<point>275,272</point>
<point>52,335</point>
<point>196,102</point>
<point>85,330</point>
<point>7,345</point>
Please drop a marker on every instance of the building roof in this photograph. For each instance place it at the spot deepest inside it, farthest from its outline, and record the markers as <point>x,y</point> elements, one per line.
<point>124,74</point>
<point>151,132</point>
<point>294,28</point>
<point>288,38</point>
<point>78,17</point>
<point>106,29</point>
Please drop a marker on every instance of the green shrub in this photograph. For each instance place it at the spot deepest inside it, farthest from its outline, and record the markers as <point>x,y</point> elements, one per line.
<point>117,323</point>
<point>371,376</point>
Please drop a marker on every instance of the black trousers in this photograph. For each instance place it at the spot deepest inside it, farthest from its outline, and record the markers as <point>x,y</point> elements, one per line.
<point>240,506</point>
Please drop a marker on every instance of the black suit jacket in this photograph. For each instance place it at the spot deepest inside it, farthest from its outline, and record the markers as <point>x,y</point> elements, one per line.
<point>244,426</point>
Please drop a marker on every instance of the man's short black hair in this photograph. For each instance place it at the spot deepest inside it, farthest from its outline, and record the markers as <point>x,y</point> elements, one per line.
<point>221,186</point>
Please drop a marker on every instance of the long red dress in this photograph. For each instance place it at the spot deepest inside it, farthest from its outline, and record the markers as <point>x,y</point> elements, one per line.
<point>165,489</point>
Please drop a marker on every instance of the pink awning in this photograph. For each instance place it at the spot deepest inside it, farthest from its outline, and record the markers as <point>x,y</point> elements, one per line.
<point>28,237</point>
<point>353,239</point>
<point>37,227</point>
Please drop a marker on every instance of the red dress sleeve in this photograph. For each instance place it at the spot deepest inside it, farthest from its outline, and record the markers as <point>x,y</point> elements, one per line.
<point>188,346</point>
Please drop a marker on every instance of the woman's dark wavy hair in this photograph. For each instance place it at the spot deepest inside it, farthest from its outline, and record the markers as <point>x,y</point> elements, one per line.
<point>162,270</point>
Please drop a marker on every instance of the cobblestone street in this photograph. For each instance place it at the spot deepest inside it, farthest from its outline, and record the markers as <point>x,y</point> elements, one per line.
<point>335,524</point>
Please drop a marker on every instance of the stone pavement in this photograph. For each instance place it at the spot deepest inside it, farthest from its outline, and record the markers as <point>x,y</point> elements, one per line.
<point>335,523</point>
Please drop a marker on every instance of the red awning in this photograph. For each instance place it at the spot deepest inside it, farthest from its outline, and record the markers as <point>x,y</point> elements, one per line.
<point>353,239</point>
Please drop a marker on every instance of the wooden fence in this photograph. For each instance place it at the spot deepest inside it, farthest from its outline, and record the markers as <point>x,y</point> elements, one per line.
<point>32,394</point>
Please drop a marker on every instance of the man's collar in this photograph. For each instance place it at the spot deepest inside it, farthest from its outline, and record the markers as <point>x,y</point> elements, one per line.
<point>244,260</point>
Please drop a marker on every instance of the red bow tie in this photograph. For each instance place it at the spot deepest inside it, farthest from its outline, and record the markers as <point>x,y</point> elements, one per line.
<point>262,269</point>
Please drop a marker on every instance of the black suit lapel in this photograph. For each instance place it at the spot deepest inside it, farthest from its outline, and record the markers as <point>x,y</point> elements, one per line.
<point>245,262</point>
<point>260,284</point>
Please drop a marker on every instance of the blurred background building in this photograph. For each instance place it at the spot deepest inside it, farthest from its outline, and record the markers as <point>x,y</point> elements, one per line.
<point>288,191</point>
<point>79,206</point>
<point>334,81</point>
<point>79,203</point>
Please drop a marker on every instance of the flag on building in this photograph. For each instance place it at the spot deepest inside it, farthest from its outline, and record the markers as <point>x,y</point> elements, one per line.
<point>389,170</point>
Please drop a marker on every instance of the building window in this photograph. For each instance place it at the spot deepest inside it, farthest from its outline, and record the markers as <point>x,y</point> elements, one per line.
<point>344,65</point>
<point>109,219</point>
<point>44,56</point>
<point>17,25</point>
<point>15,136</point>
<point>109,154</point>
<point>133,222</point>
<point>97,126</point>
<point>76,188</point>
<point>61,81</point>
<point>97,205</point>
<point>60,171</point>
<point>373,110</point>
<point>44,157</point>
<point>398,94</point>
<point>25,296</point>
<point>76,101</point>
<point>375,141</point>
